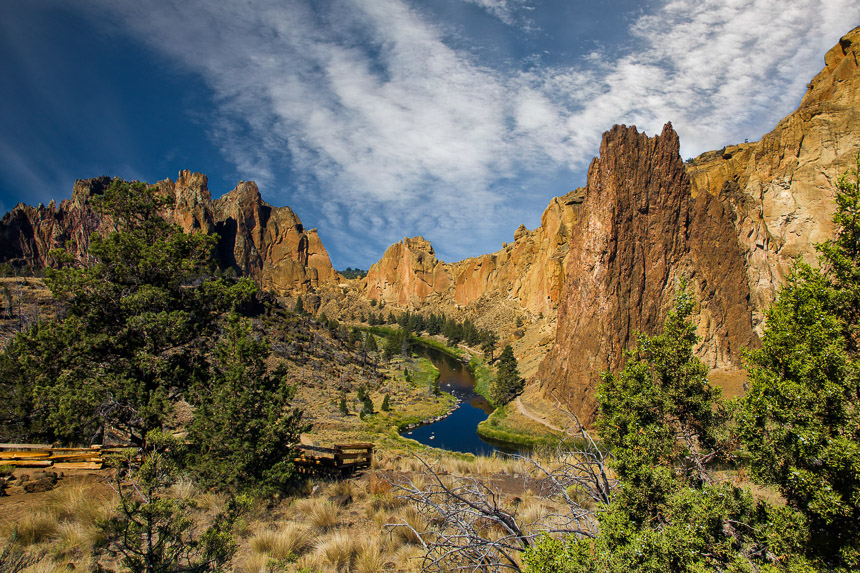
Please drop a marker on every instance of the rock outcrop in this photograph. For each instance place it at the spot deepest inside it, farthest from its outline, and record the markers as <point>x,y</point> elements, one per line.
<point>528,272</point>
<point>783,186</point>
<point>266,243</point>
<point>731,221</point>
<point>638,234</point>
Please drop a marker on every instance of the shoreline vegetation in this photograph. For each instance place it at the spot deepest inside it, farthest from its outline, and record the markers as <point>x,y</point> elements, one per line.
<point>505,425</point>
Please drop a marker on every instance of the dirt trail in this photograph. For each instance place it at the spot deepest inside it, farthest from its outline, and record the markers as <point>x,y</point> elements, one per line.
<point>522,410</point>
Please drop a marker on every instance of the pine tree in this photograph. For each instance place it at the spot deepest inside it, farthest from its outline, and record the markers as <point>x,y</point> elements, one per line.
<point>508,383</point>
<point>140,321</point>
<point>244,429</point>
<point>366,407</point>
<point>662,421</point>
<point>386,406</point>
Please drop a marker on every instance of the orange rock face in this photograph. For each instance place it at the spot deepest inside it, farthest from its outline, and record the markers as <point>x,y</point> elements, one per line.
<point>266,243</point>
<point>529,271</point>
<point>638,233</point>
<point>783,185</point>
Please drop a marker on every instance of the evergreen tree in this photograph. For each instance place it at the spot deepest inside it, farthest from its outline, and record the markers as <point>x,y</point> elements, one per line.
<point>386,405</point>
<point>800,419</point>
<point>244,429</point>
<point>366,407</point>
<point>370,342</point>
<point>154,532</point>
<point>489,339</point>
<point>662,420</point>
<point>140,319</point>
<point>508,383</point>
<point>299,308</point>
<point>342,406</point>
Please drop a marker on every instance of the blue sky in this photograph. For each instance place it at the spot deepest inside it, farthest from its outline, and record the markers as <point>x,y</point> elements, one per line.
<point>374,120</point>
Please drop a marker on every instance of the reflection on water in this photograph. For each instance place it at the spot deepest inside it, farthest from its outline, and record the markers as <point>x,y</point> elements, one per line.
<point>457,432</point>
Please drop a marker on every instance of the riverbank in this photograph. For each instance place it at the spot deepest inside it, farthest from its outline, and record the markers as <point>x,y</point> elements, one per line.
<point>506,424</point>
<point>420,403</point>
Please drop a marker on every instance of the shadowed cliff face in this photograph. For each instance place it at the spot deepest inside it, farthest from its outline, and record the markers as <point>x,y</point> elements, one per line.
<point>638,232</point>
<point>268,244</point>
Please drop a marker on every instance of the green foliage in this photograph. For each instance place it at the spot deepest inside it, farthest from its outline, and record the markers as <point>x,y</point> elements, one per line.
<point>299,307</point>
<point>370,343</point>
<point>661,419</point>
<point>366,407</point>
<point>244,429</point>
<point>141,313</point>
<point>433,386</point>
<point>489,339</point>
<point>396,343</point>
<point>386,404</point>
<point>153,532</point>
<point>508,383</point>
<point>800,419</point>
<point>351,273</point>
<point>342,407</point>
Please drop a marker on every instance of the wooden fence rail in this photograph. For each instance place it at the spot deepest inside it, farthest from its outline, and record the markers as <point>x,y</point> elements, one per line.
<point>45,456</point>
<point>342,457</point>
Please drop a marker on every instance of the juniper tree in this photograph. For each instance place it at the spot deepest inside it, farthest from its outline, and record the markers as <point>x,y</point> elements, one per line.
<point>662,421</point>
<point>140,317</point>
<point>800,419</point>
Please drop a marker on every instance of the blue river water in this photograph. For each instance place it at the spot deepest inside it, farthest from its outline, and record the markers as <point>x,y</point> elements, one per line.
<point>458,432</point>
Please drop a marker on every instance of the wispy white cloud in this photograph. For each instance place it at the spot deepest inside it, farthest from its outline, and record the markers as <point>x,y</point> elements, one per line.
<point>391,131</point>
<point>508,11</point>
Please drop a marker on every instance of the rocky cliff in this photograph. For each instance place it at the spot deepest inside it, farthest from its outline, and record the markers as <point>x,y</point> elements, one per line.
<point>730,220</point>
<point>256,239</point>
<point>527,273</point>
<point>783,185</point>
<point>638,234</point>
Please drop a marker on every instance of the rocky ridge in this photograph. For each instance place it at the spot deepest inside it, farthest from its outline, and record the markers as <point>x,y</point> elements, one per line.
<point>525,276</point>
<point>266,243</point>
<point>638,235</point>
<point>783,186</point>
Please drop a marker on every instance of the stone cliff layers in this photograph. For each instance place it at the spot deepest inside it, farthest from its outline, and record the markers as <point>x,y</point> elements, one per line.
<point>783,186</point>
<point>529,271</point>
<point>731,221</point>
<point>266,243</point>
<point>638,233</point>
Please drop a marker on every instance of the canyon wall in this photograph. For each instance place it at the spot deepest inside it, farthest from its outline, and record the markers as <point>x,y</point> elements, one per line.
<point>266,243</point>
<point>527,273</point>
<point>783,186</point>
<point>731,221</point>
<point>638,235</point>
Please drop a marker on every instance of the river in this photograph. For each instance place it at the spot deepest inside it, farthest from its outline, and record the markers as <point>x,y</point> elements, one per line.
<point>459,431</point>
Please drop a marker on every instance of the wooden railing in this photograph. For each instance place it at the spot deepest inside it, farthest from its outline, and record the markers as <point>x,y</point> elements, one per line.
<point>45,456</point>
<point>342,457</point>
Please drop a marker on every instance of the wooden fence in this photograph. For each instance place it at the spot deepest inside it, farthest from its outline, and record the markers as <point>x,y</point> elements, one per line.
<point>45,456</point>
<point>342,457</point>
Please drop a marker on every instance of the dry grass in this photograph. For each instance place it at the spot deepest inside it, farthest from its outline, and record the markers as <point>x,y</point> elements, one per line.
<point>290,540</point>
<point>34,528</point>
<point>319,513</point>
<point>406,524</point>
<point>183,488</point>
<point>336,552</point>
<point>370,557</point>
